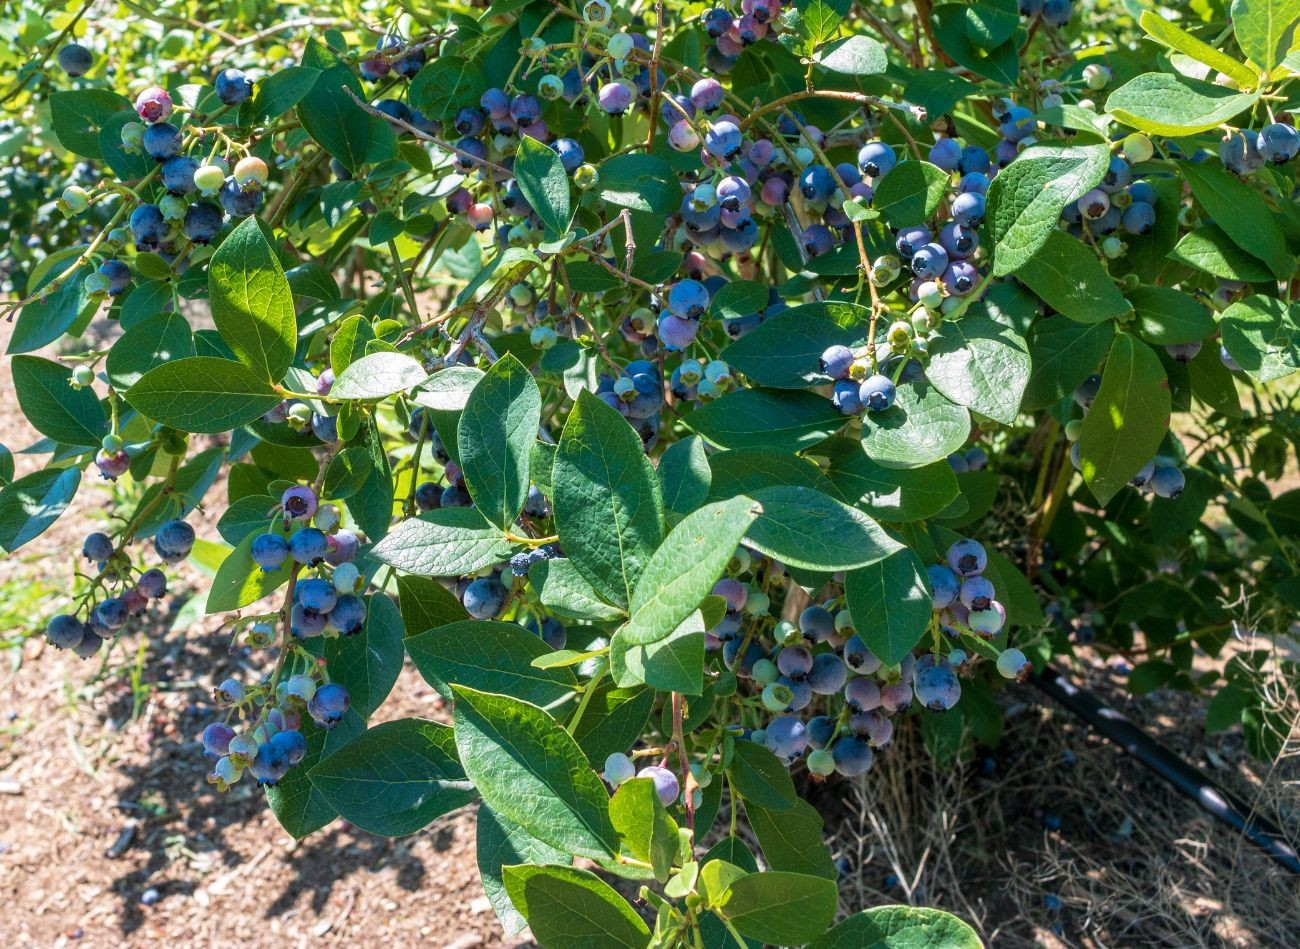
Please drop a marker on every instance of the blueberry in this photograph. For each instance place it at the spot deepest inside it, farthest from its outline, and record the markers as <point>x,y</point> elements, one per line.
<point>65,631</point>
<point>1012,664</point>
<point>618,768</point>
<point>455,495</point>
<point>328,704</point>
<point>233,87</point>
<point>977,593</point>
<point>1184,352</point>
<point>786,737</point>
<point>929,261</point>
<point>944,583</point>
<point>216,739</point>
<point>97,547</point>
<point>817,239</point>
<point>852,756</point>
<point>308,546</point>
<point>1017,124</point>
<point>148,226</point>
<point>688,299</point>
<point>299,502</point>
<point>717,21</point>
<point>152,583</point>
<point>974,161</point>
<point>876,159</point>
<point>828,674</point>
<point>410,63</point>
<point>967,558</point>
<point>1057,12</point>
<point>665,782</point>
<point>968,209</point>
<point>615,98</point>
<point>162,141</point>
<point>1278,143</point>
<point>238,202</point>
<point>292,743</point>
<point>1167,481</point>
<point>877,393</point>
<point>570,152</point>
<point>816,183</point>
<point>428,496</point>
<point>348,615</point>
<point>707,95</point>
<point>910,239</point>
<point>1087,391</point>
<point>316,594</point>
<point>270,765</point>
<point>202,222</point>
<point>946,154</point>
<point>742,666</point>
<point>269,551</point>
<point>118,275</point>
<point>75,60</point>
<point>175,538</point>
<point>817,624</point>
<point>958,241</point>
<point>1240,154</point>
<point>862,695</point>
<point>154,104</point>
<point>821,729</point>
<point>485,598</point>
<point>111,613</point>
<point>1138,218</point>
<point>858,657</point>
<point>550,630</point>
<point>935,684</point>
<point>723,140</point>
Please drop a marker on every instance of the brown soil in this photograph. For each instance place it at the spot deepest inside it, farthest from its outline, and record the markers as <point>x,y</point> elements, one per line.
<point>103,800</point>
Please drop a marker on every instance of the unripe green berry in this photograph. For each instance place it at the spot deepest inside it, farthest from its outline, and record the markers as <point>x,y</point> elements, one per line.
<point>619,45</point>
<point>777,697</point>
<point>543,337</point>
<point>1073,429</point>
<point>821,763</point>
<point>111,443</point>
<point>586,177</point>
<point>75,199</point>
<point>765,672</point>
<point>82,376</point>
<point>96,285</point>
<point>1138,148</point>
<point>209,179</point>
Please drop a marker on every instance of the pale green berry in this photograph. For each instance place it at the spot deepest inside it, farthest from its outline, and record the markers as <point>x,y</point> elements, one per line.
<point>96,285</point>
<point>821,763</point>
<point>75,199</point>
<point>209,179</point>
<point>1138,148</point>
<point>765,672</point>
<point>586,177</point>
<point>1073,429</point>
<point>619,45</point>
<point>82,376</point>
<point>543,337</point>
<point>111,443</point>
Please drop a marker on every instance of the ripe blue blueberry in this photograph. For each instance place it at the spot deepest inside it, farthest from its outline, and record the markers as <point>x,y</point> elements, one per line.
<point>911,239</point>
<point>706,95</point>
<point>177,173</point>
<point>570,152</point>
<point>97,547</point>
<point>216,739</point>
<point>148,227</point>
<point>967,558</point>
<point>348,615</point>
<point>946,154</point>
<point>233,87</point>
<point>202,223</point>
<point>862,695</point>
<point>1138,218</point>
<point>794,661</point>
<point>316,594</point>
<point>75,60</point>
<point>858,657</point>
<point>958,241</point>
<point>821,729</point>
<point>828,674</point>
<point>328,705</point>
<point>786,737</point>
<point>65,631</point>
<point>974,161</point>
<point>968,209</point>
<point>877,393</point>
<point>1087,391</point>
<point>162,141</point>
<point>846,397</point>
<point>852,756</point>
<point>615,98</point>
<point>1278,143</point>
<point>929,261</point>
<point>238,202</point>
<point>269,551</point>
<point>485,598</point>
<point>550,630</point>
<point>723,140</point>
<point>876,159</point>
<point>1167,481</point>
<point>308,546</point>
<point>174,541</point>
<point>292,743</point>
<point>688,299</point>
<point>977,593</point>
<point>270,765</point>
<point>817,624</point>
<point>944,583</point>
<point>816,183</point>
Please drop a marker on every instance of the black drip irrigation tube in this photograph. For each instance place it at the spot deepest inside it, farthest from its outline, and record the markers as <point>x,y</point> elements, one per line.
<point>1189,780</point>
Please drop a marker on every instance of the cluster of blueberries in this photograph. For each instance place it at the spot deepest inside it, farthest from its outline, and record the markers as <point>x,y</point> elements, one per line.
<point>822,656</point>
<point>199,191</point>
<point>172,543</point>
<point>1160,476</point>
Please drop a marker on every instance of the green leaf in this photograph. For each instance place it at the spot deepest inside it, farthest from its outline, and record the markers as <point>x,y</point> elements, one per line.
<point>791,838</point>
<point>673,663</point>
<point>447,542</point>
<point>567,908</point>
<point>1166,316</point>
<point>1262,335</point>
<point>743,471</point>
<point>1212,382</point>
<point>1265,29</point>
<point>892,494</point>
<point>853,56</point>
<point>738,298</point>
<point>497,428</point>
<point>488,656</point>
<point>565,591</point>
<point>802,527</point>
<point>1064,352</point>
<point>1243,215</point>
<point>766,418</point>
<point>614,720</point>
<point>529,770</point>
<point>331,117</point>
<point>501,843</point>
<point>147,345</point>
<point>783,352</point>
<point>640,819</point>
<point>244,516</point>
<point>32,503</point>
<point>252,305</point>
<point>51,314</point>
<point>910,193</point>
<point>979,37</point>
<point>760,778</point>
<point>426,604</point>
<point>240,581</point>
<point>607,508</point>
<point>367,663</point>
<point>377,376</point>
<point>640,182</point>
<point>53,407</point>
<point>1067,275</point>
<point>448,389</point>
<point>347,472</point>
<point>76,118</point>
<point>299,807</point>
<point>441,87</point>
<point>395,778</point>
<point>980,363</point>
<point>681,573</point>
<point>1165,104</point>
<point>1025,200</point>
<point>684,475</point>
<point>1170,34</point>
<point>921,426</point>
<point>891,604</point>
<point>203,394</point>
<point>545,184</point>
<point>1128,418</point>
<point>349,343</point>
<point>900,927</point>
<point>281,91</point>
<point>780,907</point>
<point>1209,250</point>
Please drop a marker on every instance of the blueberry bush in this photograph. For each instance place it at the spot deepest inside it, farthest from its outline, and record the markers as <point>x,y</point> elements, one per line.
<point>695,396</point>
